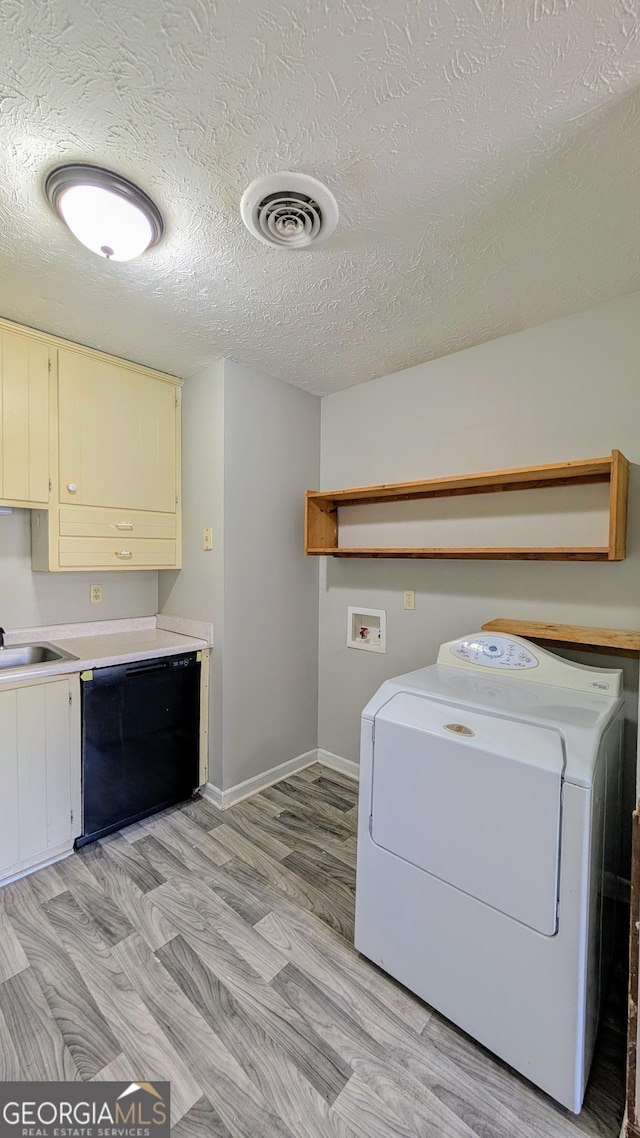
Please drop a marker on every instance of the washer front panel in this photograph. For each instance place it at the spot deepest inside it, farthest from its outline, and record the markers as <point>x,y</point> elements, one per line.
<point>472,799</point>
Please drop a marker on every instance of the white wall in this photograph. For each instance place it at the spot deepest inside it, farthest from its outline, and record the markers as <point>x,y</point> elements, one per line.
<point>272,453</point>
<point>565,390</point>
<point>196,591</point>
<point>28,598</point>
<point>251,449</point>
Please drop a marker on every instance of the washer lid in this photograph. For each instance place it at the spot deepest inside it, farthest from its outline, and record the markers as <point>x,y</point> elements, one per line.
<point>581,718</point>
<point>473,800</point>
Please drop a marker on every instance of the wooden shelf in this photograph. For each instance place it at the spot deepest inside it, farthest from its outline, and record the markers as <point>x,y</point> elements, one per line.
<point>615,640</point>
<point>502,553</point>
<point>321,520</point>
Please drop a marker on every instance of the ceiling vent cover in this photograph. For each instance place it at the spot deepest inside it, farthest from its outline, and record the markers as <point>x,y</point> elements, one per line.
<point>289,210</point>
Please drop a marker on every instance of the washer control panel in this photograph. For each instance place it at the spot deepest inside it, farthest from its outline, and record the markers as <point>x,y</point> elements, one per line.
<point>494,652</point>
<point>485,653</point>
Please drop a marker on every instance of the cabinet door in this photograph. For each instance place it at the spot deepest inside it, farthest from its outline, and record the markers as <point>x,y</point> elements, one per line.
<point>36,770</point>
<point>24,419</point>
<point>117,435</point>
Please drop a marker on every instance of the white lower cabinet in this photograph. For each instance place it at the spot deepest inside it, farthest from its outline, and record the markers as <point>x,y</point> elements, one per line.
<point>39,771</point>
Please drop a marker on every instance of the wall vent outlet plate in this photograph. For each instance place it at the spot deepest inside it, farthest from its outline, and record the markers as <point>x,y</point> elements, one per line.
<point>367,629</point>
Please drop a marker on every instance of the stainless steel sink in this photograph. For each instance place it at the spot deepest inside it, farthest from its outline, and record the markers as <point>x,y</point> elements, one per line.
<point>26,655</point>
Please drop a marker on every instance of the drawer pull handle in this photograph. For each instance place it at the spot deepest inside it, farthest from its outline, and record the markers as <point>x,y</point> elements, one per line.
<point>124,553</point>
<point>124,525</point>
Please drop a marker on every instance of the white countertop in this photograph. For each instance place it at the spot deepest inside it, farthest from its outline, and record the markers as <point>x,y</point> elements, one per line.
<point>101,644</point>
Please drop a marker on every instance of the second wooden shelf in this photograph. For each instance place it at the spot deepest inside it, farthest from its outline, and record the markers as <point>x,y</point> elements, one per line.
<point>623,642</point>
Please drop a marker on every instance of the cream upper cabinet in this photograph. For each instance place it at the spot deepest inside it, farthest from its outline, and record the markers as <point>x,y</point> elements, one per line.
<point>91,444</point>
<point>117,436</point>
<point>24,420</point>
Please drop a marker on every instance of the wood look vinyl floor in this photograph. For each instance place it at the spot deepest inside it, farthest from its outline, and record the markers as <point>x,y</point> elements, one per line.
<point>214,950</point>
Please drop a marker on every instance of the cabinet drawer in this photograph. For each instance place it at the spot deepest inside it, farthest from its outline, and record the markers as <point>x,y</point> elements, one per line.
<point>117,553</point>
<point>85,521</point>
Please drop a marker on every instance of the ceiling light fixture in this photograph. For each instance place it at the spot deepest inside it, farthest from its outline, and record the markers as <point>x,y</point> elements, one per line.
<point>107,213</point>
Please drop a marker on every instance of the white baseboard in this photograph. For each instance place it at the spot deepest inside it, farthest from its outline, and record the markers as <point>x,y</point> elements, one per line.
<point>337,763</point>
<point>225,798</point>
<point>38,861</point>
<point>213,793</point>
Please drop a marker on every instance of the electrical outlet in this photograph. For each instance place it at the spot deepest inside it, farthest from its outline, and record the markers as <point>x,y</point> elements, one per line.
<point>96,594</point>
<point>207,538</point>
<point>410,599</point>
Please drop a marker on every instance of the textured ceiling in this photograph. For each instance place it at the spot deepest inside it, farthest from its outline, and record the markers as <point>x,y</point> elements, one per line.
<point>485,155</point>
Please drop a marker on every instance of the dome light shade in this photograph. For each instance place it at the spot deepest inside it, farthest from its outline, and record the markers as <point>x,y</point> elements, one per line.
<point>107,213</point>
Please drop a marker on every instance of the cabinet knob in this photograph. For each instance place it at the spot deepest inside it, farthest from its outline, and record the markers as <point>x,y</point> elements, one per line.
<point>71,487</point>
<point>124,553</point>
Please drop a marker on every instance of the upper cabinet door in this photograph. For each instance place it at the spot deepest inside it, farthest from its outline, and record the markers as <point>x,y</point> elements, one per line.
<point>24,419</point>
<point>117,435</point>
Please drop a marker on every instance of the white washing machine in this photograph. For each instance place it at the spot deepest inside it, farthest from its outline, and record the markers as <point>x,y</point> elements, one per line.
<point>489,820</point>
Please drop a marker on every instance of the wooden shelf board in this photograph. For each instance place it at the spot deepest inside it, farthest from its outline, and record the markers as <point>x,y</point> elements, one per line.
<point>587,553</point>
<point>423,492</point>
<point>487,482</point>
<point>613,639</point>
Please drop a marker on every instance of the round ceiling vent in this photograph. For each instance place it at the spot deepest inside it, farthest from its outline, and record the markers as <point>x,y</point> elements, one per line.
<point>289,210</point>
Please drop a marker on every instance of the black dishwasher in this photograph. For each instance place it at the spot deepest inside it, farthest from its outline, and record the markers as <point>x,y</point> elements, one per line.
<point>140,740</point>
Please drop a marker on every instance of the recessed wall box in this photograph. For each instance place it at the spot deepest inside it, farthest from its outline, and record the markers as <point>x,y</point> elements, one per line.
<point>367,629</point>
